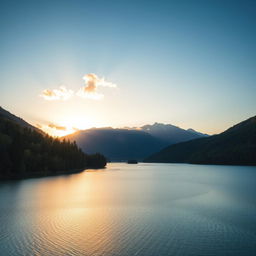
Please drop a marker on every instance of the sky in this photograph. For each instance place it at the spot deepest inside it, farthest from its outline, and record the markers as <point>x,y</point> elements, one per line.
<point>70,64</point>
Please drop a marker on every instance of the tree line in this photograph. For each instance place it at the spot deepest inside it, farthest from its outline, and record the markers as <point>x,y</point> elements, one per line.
<point>27,152</point>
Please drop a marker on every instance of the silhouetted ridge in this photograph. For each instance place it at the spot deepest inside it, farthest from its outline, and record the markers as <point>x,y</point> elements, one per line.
<point>236,145</point>
<point>9,116</point>
<point>117,144</point>
<point>130,143</point>
<point>25,152</point>
<point>171,133</point>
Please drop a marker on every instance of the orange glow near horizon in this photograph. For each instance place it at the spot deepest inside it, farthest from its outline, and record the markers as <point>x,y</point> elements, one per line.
<point>57,133</point>
<point>66,126</point>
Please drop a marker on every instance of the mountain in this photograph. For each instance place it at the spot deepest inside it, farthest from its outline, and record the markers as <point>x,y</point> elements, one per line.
<point>197,133</point>
<point>9,116</point>
<point>235,146</point>
<point>170,133</point>
<point>117,144</point>
<point>26,152</point>
<point>130,143</point>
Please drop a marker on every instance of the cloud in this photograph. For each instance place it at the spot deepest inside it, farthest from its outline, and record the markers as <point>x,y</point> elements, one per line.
<point>57,127</point>
<point>92,81</point>
<point>84,93</point>
<point>57,94</point>
<point>90,90</point>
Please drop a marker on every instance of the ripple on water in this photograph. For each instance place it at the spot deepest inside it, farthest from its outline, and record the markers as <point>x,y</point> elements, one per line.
<point>100,216</point>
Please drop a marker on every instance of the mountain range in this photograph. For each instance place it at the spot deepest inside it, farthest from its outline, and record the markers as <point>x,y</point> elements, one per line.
<point>170,133</point>
<point>131,143</point>
<point>235,146</point>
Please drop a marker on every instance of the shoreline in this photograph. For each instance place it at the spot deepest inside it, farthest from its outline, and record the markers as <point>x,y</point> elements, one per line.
<point>217,164</point>
<point>45,175</point>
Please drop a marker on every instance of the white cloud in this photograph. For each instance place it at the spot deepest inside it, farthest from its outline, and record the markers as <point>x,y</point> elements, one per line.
<point>57,94</point>
<point>90,90</point>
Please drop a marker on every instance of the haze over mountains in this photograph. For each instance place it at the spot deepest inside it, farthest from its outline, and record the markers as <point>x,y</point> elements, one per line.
<point>131,143</point>
<point>236,146</point>
<point>172,134</point>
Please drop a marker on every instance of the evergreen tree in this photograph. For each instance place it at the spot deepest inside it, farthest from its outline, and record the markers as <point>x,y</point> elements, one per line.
<point>26,152</point>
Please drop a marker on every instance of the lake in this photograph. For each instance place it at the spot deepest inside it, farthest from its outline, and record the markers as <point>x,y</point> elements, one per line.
<point>128,210</point>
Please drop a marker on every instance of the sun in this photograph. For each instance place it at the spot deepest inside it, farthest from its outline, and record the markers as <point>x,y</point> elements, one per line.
<point>77,122</point>
<point>66,125</point>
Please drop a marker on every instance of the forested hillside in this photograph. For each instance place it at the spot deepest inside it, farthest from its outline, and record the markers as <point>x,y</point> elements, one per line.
<point>26,152</point>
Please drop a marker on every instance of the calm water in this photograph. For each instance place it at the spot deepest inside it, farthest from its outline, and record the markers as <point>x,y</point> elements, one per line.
<point>126,210</point>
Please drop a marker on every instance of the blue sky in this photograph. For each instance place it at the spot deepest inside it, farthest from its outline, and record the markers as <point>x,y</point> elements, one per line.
<point>189,63</point>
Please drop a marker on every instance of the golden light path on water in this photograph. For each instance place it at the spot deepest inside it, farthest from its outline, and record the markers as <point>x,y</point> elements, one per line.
<point>144,209</point>
<point>80,219</point>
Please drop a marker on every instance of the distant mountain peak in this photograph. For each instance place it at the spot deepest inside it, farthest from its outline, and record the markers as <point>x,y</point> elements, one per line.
<point>196,132</point>
<point>171,133</point>
<point>156,124</point>
<point>236,146</point>
<point>130,142</point>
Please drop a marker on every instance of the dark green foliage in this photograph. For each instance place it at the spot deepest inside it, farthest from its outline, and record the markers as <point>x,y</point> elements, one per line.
<point>96,160</point>
<point>26,152</point>
<point>235,146</point>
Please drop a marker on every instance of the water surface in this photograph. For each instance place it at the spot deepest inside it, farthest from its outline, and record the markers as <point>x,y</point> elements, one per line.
<point>126,210</point>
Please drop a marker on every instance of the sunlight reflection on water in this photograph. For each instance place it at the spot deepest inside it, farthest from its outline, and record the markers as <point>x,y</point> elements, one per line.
<point>144,209</point>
